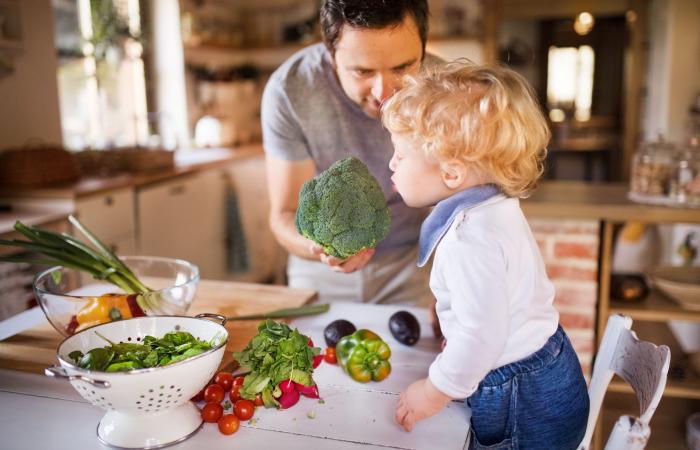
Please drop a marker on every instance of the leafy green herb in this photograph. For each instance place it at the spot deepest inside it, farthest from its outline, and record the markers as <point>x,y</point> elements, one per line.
<point>152,352</point>
<point>275,354</point>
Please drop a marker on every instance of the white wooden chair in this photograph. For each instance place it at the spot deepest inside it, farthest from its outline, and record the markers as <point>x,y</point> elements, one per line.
<point>641,364</point>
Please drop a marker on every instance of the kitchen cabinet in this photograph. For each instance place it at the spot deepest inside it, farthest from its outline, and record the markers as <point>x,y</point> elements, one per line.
<point>184,218</point>
<point>110,215</point>
<point>187,217</point>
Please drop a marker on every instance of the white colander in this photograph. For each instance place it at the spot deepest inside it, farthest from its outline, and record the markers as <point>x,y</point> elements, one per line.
<point>146,408</point>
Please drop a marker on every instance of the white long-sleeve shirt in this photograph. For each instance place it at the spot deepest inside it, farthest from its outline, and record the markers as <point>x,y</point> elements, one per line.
<point>494,299</point>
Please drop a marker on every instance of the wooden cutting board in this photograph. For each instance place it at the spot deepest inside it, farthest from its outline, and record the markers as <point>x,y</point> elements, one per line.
<point>35,349</point>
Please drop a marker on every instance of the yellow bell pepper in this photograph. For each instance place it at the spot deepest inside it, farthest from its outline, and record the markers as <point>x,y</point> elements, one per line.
<point>104,309</point>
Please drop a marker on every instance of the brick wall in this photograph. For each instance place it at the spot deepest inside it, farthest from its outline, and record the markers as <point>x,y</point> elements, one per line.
<point>570,252</point>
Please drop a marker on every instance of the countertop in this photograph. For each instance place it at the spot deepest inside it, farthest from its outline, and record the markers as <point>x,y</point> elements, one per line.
<point>186,162</point>
<point>598,201</point>
<point>33,212</point>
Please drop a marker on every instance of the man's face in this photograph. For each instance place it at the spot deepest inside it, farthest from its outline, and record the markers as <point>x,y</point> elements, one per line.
<point>370,64</point>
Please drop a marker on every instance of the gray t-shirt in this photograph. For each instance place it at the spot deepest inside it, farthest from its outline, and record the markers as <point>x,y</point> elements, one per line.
<point>306,114</point>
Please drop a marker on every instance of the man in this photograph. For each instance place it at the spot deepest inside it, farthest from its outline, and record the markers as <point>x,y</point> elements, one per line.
<point>322,105</point>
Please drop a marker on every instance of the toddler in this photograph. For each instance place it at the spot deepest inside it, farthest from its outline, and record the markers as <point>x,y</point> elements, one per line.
<point>471,141</point>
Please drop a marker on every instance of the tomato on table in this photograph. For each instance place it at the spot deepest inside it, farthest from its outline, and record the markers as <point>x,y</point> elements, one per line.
<point>329,356</point>
<point>244,409</point>
<point>234,394</point>
<point>228,424</point>
<point>224,379</point>
<point>214,393</point>
<point>238,381</point>
<point>212,412</point>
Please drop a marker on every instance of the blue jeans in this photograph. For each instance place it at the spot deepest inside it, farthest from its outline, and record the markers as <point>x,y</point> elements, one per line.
<point>539,403</point>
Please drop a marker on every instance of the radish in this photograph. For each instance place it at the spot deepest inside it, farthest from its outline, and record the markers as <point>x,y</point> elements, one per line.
<point>289,399</point>
<point>286,386</point>
<point>317,360</point>
<point>308,391</point>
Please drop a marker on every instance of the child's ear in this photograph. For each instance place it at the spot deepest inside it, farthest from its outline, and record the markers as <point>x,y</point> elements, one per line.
<point>454,172</point>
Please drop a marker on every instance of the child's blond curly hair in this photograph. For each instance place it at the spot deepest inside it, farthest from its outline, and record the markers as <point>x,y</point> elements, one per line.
<point>483,115</point>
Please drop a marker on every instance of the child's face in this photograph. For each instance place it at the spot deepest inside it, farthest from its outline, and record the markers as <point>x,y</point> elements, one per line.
<point>417,178</point>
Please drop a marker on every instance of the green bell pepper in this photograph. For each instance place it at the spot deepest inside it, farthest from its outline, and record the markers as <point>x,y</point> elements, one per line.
<point>364,356</point>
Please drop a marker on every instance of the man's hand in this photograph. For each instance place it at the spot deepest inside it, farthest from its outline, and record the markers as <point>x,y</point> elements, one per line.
<point>420,401</point>
<point>348,265</point>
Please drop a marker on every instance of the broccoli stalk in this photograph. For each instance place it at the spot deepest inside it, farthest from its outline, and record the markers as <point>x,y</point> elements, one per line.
<point>343,209</point>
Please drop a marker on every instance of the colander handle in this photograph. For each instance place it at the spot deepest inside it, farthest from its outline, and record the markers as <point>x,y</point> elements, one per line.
<point>60,372</point>
<point>221,319</point>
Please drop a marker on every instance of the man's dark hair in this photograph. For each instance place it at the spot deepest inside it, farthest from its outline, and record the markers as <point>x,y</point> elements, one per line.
<point>372,14</point>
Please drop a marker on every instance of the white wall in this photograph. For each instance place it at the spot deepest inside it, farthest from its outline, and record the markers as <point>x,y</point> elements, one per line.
<point>29,108</point>
<point>674,67</point>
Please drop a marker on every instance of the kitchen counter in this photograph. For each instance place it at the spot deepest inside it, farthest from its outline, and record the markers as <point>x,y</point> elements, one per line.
<point>599,201</point>
<point>186,162</point>
<point>31,212</point>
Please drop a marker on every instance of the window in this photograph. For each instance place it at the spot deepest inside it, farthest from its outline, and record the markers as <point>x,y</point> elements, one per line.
<point>570,82</point>
<point>101,79</point>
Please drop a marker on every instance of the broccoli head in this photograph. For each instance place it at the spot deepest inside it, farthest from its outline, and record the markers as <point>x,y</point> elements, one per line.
<point>343,209</point>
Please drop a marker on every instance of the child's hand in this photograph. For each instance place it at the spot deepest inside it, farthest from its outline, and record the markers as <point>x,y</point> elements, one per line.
<point>420,401</point>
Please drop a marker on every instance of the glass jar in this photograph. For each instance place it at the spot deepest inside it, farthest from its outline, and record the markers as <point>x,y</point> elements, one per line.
<point>685,183</point>
<point>652,169</point>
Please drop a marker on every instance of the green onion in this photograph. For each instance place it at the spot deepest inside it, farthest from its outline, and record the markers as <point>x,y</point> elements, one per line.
<point>62,249</point>
<point>283,313</point>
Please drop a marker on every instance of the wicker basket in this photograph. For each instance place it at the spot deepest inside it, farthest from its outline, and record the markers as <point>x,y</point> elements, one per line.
<point>127,159</point>
<point>35,167</point>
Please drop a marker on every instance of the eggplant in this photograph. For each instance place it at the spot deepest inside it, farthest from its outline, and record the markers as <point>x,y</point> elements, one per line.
<point>337,330</point>
<point>404,327</point>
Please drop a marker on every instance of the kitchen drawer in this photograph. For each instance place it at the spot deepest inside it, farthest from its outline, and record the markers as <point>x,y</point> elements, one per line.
<point>109,215</point>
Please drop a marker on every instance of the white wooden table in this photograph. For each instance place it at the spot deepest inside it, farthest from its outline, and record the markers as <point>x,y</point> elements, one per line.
<point>37,412</point>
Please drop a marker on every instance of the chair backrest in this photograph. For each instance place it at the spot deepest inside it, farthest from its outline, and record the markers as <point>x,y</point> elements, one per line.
<point>641,364</point>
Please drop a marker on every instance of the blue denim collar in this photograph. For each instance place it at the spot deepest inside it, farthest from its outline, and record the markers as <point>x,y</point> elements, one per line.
<point>438,222</point>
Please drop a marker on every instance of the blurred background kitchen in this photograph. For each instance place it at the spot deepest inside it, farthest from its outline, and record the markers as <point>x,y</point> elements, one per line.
<point>141,117</point>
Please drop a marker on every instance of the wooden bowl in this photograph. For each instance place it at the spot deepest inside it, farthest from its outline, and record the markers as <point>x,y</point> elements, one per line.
<point>681,284</point>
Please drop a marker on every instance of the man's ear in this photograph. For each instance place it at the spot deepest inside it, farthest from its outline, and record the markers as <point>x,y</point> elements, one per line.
<point>454,172</point>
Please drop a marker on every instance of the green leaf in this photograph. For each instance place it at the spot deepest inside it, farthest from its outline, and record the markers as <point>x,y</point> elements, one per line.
<point>75,355</point>
<point>124,366</point>
<point>96,359</point>
<point>56,277</point>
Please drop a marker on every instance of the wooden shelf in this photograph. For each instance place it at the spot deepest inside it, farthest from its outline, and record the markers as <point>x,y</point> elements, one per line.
<point>10,44</point>
<point>688,388</point>
<point>655,308</point>
<point>266,57</point>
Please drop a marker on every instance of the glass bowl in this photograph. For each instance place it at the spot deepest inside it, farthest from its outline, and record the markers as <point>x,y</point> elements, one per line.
<point>73,300</point>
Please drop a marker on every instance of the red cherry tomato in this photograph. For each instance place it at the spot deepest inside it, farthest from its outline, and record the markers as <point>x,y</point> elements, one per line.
<point>224,379</point>
<point>329,356</point>
<point>317,360</point>
<point>213,393</point>
<point>211,412</point>
<point>238,381</point>
<point>228,424</point>
<point>259,400</point>
<point>234,394</point>
<point>244,409</point>
<point>198,397</point>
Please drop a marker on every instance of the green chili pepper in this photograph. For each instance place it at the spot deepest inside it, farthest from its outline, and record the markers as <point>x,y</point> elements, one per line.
<point>364,356</point>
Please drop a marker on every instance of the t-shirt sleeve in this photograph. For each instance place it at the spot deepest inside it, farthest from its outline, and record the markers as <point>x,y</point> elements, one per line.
<point>282,135</point>
<point>474,271</point>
